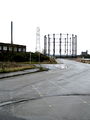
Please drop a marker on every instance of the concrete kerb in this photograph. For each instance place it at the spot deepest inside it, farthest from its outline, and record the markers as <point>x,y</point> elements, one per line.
<point>12,74</point>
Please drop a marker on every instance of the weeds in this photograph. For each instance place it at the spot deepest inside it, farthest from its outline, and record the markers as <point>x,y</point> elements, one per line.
<point>12,67</point>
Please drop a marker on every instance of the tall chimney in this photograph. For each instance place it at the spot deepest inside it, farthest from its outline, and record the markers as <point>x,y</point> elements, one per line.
<point>11,32</point>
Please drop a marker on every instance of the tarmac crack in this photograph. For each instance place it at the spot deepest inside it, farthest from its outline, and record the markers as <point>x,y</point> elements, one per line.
<point>6,103</point>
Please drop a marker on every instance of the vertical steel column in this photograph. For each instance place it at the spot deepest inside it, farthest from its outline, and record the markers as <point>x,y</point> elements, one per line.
<point>53,45</point>
<point>75,45</point>
<point>60,44</point>
<point>45,45</point>
<point>67,44</point>
<point>48,45</point>
<point>72,45</point>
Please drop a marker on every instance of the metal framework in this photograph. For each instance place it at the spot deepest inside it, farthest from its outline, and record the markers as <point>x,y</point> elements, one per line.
<point>60,45</point>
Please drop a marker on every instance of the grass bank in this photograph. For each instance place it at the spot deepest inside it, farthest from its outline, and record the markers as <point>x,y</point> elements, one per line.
<point>19,66</point>
<point>6,67</point>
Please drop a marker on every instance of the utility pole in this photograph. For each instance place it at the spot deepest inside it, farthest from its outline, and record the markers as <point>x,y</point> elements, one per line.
<point>30,58</point>
<point>45,45</point>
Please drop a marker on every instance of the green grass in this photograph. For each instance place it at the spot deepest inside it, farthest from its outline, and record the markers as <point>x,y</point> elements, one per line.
<point>12,67</point>
<point>6,67</point>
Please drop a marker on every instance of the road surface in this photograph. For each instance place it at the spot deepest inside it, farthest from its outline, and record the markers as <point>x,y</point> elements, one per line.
<point>62,93</point>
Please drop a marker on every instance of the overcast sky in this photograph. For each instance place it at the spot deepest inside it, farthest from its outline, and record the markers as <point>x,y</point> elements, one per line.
<point>52,16</point>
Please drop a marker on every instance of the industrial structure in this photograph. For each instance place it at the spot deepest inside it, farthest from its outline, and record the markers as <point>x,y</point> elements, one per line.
<point>62,45</point>
<point>11,32</point>
<point>10,47</point>
<point>84,53</point>
<point>37,39</point>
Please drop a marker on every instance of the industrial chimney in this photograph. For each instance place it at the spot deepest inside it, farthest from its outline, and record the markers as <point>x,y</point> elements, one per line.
<point>11,32</point>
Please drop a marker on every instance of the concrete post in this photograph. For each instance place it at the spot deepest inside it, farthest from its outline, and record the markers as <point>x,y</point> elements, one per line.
<point>45,45</point>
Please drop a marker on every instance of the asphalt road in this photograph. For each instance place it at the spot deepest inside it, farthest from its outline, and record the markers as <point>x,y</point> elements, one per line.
<point>62,93</point>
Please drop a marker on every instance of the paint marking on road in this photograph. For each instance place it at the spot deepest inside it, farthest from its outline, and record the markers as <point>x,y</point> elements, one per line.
<point>57,85</point>
<point>33,86</point>
<point>50,105</point>
<point>83,101</point>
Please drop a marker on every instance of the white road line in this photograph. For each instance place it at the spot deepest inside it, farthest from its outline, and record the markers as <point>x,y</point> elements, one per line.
<point>33,86</point>
<point>50,106</point>
<point>83,101</point>
<point>57,85</point>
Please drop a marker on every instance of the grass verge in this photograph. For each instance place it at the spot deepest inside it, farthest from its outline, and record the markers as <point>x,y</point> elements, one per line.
<point>13,67</point>
<point>6,67</point>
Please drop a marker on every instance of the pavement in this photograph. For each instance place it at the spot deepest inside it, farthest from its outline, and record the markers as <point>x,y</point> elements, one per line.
<point>12,74</point>
<point>48,66</point>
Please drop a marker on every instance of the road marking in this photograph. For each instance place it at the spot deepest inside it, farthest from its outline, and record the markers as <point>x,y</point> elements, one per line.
<point>57,85</point>
<point>50,105</point>
<point>83,101</point>
<point>33,86</point>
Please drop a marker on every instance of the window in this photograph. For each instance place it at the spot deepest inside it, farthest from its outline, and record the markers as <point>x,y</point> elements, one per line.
<point>5,48</point>
<point>24,49</point>
<point>0,47</point>
<point>19,49</point>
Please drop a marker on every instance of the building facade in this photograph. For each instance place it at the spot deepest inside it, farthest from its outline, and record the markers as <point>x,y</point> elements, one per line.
<point>6,47</point>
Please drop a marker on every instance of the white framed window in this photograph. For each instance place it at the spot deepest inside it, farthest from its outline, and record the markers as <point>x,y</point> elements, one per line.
<point>19,49</point>
<point>0,47</point>
<point>24,49</point>
<point>5,48</point>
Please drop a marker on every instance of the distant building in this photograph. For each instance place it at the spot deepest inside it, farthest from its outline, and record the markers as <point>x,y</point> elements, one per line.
<point>6,47</point>
<point>84,53</point>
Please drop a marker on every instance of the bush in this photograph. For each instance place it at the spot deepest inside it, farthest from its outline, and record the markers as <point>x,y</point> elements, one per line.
<point>17,57</point>
<point>23,57</point>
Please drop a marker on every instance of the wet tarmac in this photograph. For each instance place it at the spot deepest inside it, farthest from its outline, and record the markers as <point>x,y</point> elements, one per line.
<point>62,93</point>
